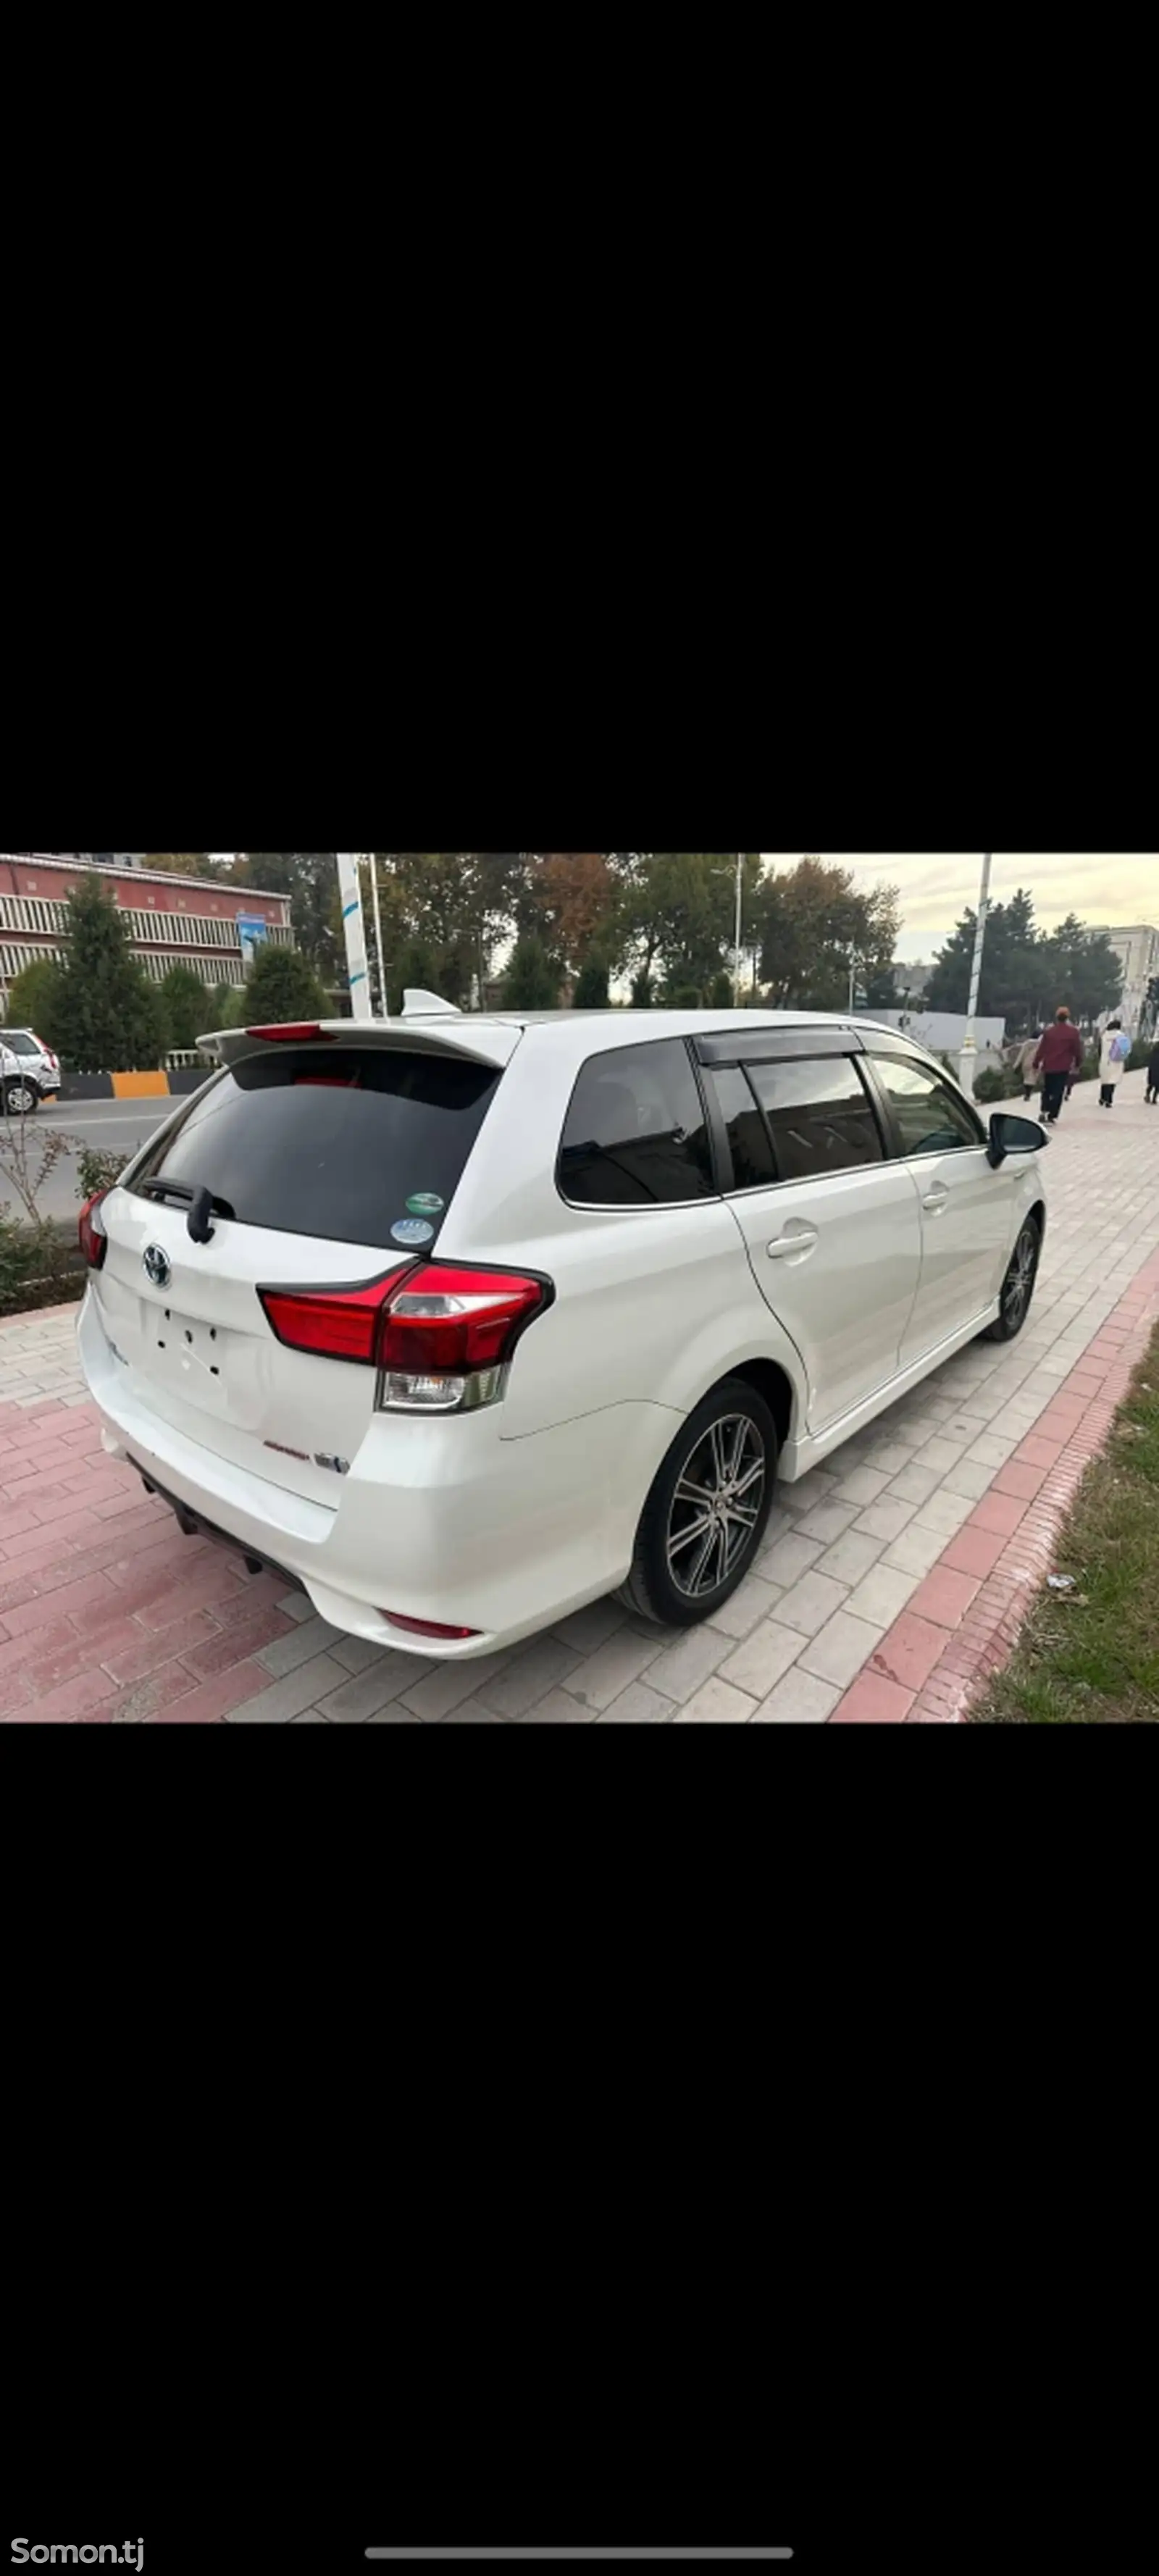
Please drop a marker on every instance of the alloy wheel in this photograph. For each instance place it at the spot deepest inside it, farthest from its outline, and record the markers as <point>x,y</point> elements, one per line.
<point>1020,1279</point>
<point>20,1098</point>
<point>716,1505</point>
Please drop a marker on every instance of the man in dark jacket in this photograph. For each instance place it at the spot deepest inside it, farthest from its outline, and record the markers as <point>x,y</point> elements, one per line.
<point>1059,1059</point>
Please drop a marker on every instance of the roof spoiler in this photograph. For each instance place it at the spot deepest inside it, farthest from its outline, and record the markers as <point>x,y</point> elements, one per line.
<point>443,1032</point>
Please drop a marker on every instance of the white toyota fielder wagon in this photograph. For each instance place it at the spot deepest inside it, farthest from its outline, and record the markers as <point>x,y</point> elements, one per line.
<point>461,1322</point>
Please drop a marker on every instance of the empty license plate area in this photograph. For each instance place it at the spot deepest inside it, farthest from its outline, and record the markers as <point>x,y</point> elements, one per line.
<point>194,1355</point>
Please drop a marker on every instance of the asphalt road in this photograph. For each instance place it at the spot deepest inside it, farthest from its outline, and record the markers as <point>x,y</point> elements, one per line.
<point>112,1126</point>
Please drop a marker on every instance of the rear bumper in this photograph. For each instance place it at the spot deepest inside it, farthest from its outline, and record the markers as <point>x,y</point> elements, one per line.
<point>442,1520</point>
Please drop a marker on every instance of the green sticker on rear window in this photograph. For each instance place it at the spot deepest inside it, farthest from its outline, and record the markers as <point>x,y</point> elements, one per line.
<point>425,1203</point>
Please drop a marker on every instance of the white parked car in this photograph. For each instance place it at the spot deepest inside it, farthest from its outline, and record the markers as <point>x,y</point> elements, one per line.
<point>29,1071</point>
<point>463,1322</point>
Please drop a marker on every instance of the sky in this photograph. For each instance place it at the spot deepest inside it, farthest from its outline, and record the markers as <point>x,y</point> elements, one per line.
<point>1111,893</point>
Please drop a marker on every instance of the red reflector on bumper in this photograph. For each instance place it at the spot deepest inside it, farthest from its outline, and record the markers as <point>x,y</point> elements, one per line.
<point>427,1627</point>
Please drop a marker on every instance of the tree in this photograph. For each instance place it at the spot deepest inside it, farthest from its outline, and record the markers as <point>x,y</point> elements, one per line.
<point>531,983</point>
<point>677,910</point>
<point>310,879</point>
<point>111,1019</point>
<point>416,971</point>
<point>721,995</point>
<point>1026,973</point>
<point>574,896</point>
<point>34,1001</point>
<point>812,921</point>
<point>591,992</point>
<point>186,1004</point>
<point>282,986</point>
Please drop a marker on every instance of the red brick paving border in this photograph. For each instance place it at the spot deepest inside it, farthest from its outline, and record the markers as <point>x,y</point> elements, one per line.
<point>980,1589</point>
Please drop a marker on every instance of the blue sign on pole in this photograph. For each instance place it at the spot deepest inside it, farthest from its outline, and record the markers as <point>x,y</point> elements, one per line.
<point>251,934</point>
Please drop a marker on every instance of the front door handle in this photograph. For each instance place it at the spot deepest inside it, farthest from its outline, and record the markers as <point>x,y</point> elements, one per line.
<point>936,1200</point>
<point>785,1245</point>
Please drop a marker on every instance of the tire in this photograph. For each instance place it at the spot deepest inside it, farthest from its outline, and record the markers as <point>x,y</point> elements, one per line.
<point>20,1098</point>
<point>1018,1286</point>
<point>729,1445</point>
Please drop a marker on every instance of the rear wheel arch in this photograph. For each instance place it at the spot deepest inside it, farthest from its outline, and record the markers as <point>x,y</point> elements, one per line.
<point>774,1383</point>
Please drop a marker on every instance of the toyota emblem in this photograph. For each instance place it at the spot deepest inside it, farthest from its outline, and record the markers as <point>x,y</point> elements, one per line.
<point>157,1265</point>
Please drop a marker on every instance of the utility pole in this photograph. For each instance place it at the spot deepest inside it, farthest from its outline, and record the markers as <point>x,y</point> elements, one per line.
<point>354,934</point>
<point>969,1056</point>
<point>739,901</point>
<point>372,860</point>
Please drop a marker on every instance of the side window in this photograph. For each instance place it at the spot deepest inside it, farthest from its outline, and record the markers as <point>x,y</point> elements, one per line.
<point>16,1042</point>
<point>635,1133</point>
<point>932,1119</point>
<point>753,1167</point>
<point>820,1116</point>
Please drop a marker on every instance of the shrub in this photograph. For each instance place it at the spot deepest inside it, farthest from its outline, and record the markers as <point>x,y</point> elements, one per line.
<point>39,1265</point>
<point>97,1171</point>
<point>685,997</point>
<point>642,991</point>
<point>991,1086</point>
<point>186,1004</point>
<point>721,993</point>
<point>532,982</point>
<point>281,986</point>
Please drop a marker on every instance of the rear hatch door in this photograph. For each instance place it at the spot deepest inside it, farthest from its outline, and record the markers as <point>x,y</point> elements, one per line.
<point>327,1166</point>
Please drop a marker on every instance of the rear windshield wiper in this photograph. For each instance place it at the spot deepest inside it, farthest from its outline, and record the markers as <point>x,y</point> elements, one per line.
<point>161,1189</point>
<point>201,1203</point>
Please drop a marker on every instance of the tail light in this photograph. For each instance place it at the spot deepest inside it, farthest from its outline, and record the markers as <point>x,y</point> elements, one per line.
<point>94,1242</point>
<point>339,1324</point>
<point>441,1336</point>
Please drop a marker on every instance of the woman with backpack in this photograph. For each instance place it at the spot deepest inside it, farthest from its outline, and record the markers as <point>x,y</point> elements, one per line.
<point>1116,1048</point>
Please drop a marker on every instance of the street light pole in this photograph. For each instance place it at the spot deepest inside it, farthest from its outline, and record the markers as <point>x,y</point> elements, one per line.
<point>739,900</point>
<point>372,857</point>
<point>354,934</point>
<point>969,1056</point>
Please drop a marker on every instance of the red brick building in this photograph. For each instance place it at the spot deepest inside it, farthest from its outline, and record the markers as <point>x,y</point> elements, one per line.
<point>173,921</point>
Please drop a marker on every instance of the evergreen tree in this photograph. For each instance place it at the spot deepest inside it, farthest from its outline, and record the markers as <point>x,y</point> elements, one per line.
<point>591,992</point>
<point>186,1004</point>
<point>416,971</point>
<point>111,1018</point>
<point>34,1001</point>
<point>532,981</point>
<point>282,987</point>
<point>721,994</point>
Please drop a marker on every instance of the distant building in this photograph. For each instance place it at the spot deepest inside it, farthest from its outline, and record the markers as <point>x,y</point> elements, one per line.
<point>1138,953</point>
<point>944,1033</point>
<point>911,975</point>
<point>173,921</point>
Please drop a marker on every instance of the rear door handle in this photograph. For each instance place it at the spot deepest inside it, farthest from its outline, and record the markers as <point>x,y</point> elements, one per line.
<point>786,1244</point>
<point>936,1200</point>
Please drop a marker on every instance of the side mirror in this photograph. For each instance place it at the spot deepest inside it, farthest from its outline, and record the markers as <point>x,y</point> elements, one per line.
<point>1010,1135</point>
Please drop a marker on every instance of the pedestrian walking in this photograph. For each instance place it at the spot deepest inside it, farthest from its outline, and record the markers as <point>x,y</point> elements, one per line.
<point>1024,1057</point>
<point>1153,1076</point>
<point>1059,1054</point>
<point>1116,1048</point>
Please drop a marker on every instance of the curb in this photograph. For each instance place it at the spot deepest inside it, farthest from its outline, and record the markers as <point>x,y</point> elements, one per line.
<point>962,1623</point>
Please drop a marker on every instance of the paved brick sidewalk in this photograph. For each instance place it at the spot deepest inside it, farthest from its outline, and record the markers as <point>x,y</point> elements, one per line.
<point>888,1581</point>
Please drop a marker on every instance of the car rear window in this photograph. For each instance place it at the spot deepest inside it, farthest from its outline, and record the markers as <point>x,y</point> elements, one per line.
<point>350,1143</point>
